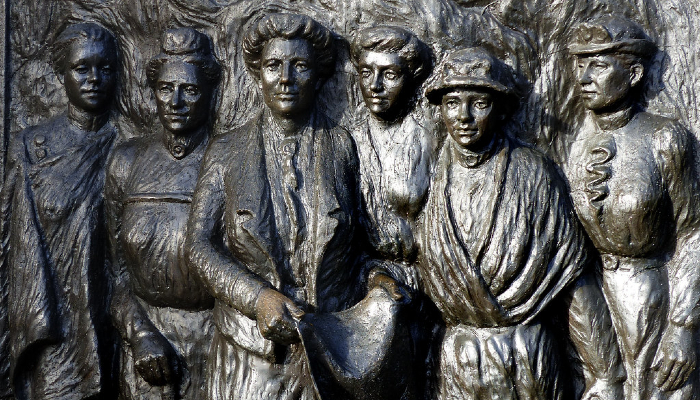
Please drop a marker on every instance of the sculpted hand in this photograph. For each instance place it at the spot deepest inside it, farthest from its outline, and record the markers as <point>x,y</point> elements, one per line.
<point>604,389</point>
<point>675,358</point>
<point>155,359</point>
<point>276,315</point>
<point>395,289</point>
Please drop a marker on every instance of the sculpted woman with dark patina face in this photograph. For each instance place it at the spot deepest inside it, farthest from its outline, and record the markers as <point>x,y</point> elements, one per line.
<point>60,343</point>
<point>274,229</point>
<point>635,187</point>
<point>499,228</point>
<point>161,307</point>
<point>395,149</point>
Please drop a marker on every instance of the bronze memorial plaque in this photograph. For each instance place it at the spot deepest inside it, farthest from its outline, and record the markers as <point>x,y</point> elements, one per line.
<point>350,200</point>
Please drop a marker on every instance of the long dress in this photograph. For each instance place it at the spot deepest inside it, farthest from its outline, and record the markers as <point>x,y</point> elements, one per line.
<point>149,192</point>
<point>499,243</point>
<point>61,344</point>
<point>635,187</point>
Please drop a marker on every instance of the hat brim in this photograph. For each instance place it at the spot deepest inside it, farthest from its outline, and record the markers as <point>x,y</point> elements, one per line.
<point>434,93</point>
<point>633,46</point>
<point>360,350</point>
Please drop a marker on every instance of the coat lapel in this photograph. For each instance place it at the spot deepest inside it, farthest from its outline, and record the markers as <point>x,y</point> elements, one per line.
<point>328,212</point>
<point>252,200</point>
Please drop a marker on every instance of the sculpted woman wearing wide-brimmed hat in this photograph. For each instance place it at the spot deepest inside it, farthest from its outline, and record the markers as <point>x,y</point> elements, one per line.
<point>502,251</point>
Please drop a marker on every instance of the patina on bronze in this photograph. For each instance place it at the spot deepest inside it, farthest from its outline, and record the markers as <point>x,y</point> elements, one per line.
<point>61,343</point>
<point>281,193</point>
<point>310,256</point>
<point>635,186</point>
<point>160,306</point>
<point>498,226</point>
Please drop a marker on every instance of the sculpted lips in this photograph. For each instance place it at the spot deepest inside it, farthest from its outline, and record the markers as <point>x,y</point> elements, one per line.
<point>92,92</point>
<point>588,92</point>
<point>466,130</point>
<point>176,116</point>
<point>287,95</point>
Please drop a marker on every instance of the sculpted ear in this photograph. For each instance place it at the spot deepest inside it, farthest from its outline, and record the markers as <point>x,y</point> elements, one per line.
<point>636,74</point>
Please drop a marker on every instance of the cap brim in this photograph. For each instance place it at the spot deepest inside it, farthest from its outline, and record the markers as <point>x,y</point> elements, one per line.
<point>434,93</point>
<point>636,46</point>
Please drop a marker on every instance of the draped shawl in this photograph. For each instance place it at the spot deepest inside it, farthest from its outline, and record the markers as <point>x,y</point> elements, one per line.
<point>53,258</point>
<point>512,249</point>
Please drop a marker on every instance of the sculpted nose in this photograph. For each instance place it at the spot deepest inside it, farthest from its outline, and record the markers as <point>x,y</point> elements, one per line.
<point>376,84</point>
<point>176,98</point>
<point>286,73</point>
<point>464,113</point>
<point>584,76</point>
<point>93,75</point>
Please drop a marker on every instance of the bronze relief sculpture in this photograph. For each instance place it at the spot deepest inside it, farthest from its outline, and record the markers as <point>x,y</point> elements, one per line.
<point>395,150</point>
<point>635,187</point>
<point>61,345</point>
<point>282,228</point>
<point>160,306</point>
<point>274,227</point>
<point>498,227</point>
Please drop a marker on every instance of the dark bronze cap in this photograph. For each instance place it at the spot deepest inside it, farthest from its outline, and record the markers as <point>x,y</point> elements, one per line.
<point>610,35</point>
<point>472,67</point>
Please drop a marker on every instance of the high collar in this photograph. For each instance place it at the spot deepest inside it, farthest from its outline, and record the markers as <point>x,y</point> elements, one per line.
<point>86,121</point>
<point>271,125</point>
<point>179,146</point>
<point>472,159</point>
<point>615,120</point>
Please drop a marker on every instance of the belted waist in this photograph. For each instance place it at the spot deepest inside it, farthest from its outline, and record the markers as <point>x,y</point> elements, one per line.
<point>612,263</point>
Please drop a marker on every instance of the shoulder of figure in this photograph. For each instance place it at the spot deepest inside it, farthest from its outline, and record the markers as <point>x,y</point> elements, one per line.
<point>668,134</point>
<point>234,136</point>
<point>344,144</point>
<point>531,164</point>
<point>123,155</point>
<point>34,138</point>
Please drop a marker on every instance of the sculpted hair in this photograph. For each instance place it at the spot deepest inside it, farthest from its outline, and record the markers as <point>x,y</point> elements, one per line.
<point>390,39</point>
<point>187,45</point>
<point>88,31</point>
<point>289,26</point>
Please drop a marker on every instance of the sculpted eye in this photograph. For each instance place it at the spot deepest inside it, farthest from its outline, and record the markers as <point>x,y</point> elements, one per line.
<point>165,88</point>
<point>365,73</point>
<point>191,90</point>
<point>451,103</point>
<point>482,104</point>
<point>301,66</point>
<point>392,75</point>
<point>81,69</point>
<point>272,66</point>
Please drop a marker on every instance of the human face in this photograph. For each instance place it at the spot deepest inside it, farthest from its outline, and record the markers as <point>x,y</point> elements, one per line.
<point>288,77</point>
<point>605,83</point>
<point>469,117</point>
<point>382,81</point>
<point>182,96</point>
<point>90,75</point>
